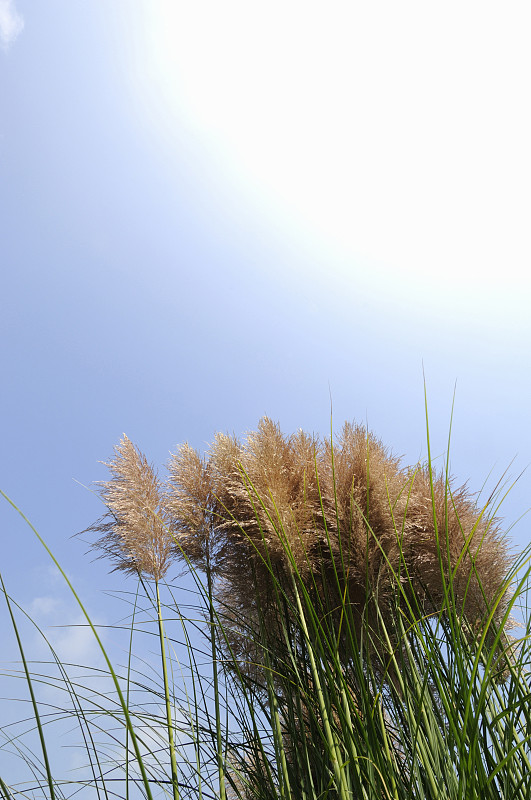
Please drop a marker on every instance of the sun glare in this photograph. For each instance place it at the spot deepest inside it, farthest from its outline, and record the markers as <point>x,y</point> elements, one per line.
<point>394,132</point>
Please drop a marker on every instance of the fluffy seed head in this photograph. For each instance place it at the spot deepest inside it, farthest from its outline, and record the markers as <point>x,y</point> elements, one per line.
<point>135,532</point>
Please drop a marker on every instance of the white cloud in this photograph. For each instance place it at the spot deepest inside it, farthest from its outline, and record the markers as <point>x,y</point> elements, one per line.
<point>11,22</point>
<point>75,643</point>
<point>65,628</point>
<point>42,606</point>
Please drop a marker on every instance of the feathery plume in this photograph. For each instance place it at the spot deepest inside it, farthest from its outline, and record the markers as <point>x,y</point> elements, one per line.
<point>135,532</point>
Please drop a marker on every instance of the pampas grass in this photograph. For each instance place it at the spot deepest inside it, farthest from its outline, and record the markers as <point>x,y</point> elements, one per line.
<point>355,614</point>
<point>344,516</point>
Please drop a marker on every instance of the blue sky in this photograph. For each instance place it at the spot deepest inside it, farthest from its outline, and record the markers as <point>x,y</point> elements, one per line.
<point>215,211</point>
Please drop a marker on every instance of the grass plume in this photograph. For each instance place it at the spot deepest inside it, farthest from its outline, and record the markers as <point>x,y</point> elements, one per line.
<point>135,536</point>
<point>134,533</point>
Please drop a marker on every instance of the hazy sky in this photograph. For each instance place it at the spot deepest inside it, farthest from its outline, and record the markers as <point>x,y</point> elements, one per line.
<point>212,211</point>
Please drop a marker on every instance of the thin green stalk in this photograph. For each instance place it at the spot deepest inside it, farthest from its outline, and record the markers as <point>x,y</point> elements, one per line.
<point>338,767</point>
<point>273,702</point>
<point>285,788</point>
<point>212,615</point>
<point>49,776</point>
<point>127,695</point>
<point>6,793</point>
<point>194,723</point>
<point>145,779</point>
<point>75,699</point>
<point>169,724</point>
<point>206,592</point>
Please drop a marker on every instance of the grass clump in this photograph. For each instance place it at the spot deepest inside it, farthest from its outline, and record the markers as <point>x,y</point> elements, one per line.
<point>356,614</point>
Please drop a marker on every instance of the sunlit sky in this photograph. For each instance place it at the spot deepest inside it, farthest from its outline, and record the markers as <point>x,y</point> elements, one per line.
<point>395,134</point>
<point>211,211</point>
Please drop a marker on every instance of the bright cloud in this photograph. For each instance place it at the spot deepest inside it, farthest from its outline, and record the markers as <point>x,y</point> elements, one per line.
<point>76,643</point>
<point>11,22</point>
<point>65,628</point>
<point>43,606</point>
